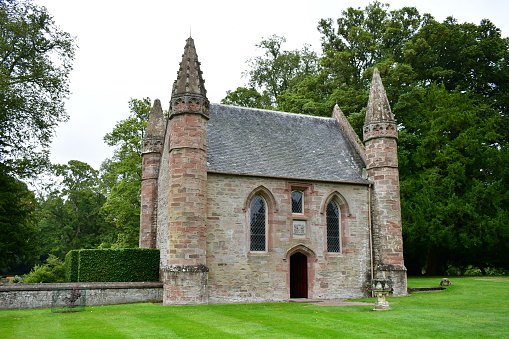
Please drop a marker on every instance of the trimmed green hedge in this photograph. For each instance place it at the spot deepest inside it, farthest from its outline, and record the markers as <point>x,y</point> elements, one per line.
<point>71,265</point>
<point>125,265</point>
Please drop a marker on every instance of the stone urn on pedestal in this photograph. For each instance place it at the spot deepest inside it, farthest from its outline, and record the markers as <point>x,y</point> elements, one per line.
<point>381,289</point>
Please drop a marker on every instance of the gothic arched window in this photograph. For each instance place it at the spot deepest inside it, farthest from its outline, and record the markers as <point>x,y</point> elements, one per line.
<point>333,227</point>
<point>258,223</point>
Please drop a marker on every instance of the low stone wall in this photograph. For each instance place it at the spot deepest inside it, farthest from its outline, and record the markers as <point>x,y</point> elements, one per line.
<point>24,296</point>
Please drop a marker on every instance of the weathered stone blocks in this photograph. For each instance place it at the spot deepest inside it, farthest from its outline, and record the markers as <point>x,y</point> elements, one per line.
<point>185,285</point>
<point>25,296</point>
<point>236,274</point>
<point>380,137</point>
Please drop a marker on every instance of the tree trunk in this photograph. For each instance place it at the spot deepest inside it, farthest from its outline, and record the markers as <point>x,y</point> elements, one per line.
<point>435,262</point>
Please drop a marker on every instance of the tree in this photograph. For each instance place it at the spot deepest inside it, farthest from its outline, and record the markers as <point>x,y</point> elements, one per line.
<point>363,38</point>
<point>274,72</point>
<point>447,83</point>
<point>351,46</point>
<point>463,56</point>
<point>247,97</point>
<point>35,62</point>
<point>70,215</point>
<point>359,40</point>
<point>18,225</point>
<point>462,181</point>
<point>453,188</point>
<point>121,175</point>
<point>453,138</point>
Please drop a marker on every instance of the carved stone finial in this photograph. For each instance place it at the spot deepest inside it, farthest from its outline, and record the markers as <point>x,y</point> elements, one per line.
<point>189,94</point>
<point>189,79</point>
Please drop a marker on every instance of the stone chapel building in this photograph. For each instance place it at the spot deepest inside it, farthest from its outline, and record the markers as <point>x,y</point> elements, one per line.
<point>252,205</point>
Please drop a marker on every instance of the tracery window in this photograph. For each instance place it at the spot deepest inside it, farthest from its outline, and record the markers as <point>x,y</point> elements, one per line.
<point>333,227</point>
<point>258,221</point>
<point>297,202</point>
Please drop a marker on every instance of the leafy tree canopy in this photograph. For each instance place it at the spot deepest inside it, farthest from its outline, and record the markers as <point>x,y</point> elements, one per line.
<point>70,215</point>
<point>18,225</point>
<point>247,97</point>
<point>453,182</point>
<point>121,175</point>
<point>448,84</point>
<point>35,62</point>
<point>272,73</point>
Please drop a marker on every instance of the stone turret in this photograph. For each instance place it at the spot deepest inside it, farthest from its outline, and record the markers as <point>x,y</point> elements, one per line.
<point>380,138</point>
<point>151,160</point>
<point>185,277</point>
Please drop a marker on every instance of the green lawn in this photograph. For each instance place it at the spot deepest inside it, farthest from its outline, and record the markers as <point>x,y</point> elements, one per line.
<point>475,307</point>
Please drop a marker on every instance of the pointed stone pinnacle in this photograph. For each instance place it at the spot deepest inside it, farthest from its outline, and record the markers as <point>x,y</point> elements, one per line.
<point>338,113</point>
<point>378,109</point>
<point>155,124</point>
<point>189,79</point>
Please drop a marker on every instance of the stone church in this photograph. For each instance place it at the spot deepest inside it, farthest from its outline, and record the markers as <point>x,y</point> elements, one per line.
<point>252,205</point>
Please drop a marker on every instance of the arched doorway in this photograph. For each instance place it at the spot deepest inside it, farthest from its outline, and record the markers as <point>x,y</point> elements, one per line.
<point>298,275</point>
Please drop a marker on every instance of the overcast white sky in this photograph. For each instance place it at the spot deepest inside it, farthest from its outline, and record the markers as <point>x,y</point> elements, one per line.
<point>132,49</point>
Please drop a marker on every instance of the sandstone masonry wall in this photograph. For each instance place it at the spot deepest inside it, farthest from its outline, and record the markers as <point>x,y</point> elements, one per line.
<point>236,274</point>
<point>148,213</point>
<point>162,204</point>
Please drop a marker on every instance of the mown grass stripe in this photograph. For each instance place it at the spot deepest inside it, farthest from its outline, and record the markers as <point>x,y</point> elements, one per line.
<point>273,319</point>
<point>230,327</point>
<point>471,308</point>
<point>245,327</point>
<point>81,325</point>
<point>138,324</point>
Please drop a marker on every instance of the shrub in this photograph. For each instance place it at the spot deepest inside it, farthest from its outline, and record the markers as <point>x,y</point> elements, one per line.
<point>16,280</point>
<point>471,270</point>
<point>51,272</point>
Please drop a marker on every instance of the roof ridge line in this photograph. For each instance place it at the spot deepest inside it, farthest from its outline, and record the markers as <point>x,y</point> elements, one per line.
<point>278,112</point>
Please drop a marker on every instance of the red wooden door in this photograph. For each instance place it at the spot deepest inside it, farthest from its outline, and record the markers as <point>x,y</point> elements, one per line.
<point>298,276</point>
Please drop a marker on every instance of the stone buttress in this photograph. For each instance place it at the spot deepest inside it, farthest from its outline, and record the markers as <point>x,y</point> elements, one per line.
<point>186,274</point>
<point>151,160</point>
<point>380,138</point>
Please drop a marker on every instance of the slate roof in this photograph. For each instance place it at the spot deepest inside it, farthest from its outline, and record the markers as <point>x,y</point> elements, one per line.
<point>276,144</point>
